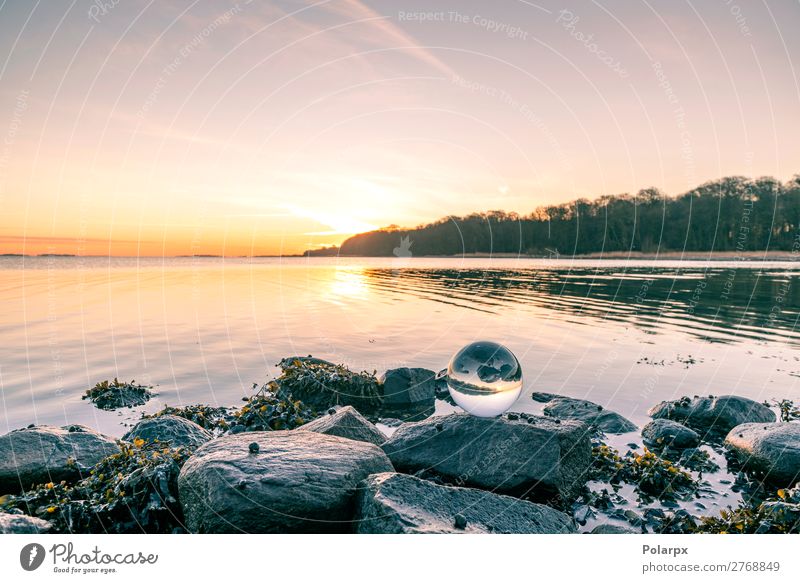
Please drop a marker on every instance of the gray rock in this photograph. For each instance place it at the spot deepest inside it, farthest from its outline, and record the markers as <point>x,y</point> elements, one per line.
<point>539,456</point>
<point>592,414</point>
<point>632,517</point>
<point>713,416</point>
<point>22,524</point>
<point>662,433</point>
<point>299,481</point>
<point>608,528</point>
<point>540,397</point>
<point>460,521</point>
<point>41,454</point>
<point>346,422</point>
<point>582,514</point>
<point>392,503</point>
<point>179,432</point>
<point>408,388</point>
<point>770,449</point>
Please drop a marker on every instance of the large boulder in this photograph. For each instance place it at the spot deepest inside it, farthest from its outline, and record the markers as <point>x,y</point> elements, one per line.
<point>408,391</point>
<point>594,415</point>
<point>276,482</point>
<point>177,431</point>
<point>41,454</point>
<point>346,422</point>
<point>22,524</point>
<point>770,449</point>
<point>713,416</point>
<point>665,433</point>
<point>392,503</point>
<point>541,457</point>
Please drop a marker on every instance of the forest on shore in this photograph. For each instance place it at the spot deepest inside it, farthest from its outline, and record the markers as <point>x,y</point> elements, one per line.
<point>730,214</point>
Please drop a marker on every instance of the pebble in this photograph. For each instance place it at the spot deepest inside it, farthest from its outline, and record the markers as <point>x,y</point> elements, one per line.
<point>633,518</point>
<point>582,514</point>
<point>460,521</point>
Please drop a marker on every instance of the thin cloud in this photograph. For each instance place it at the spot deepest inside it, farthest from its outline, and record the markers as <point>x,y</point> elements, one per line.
<point>388,31</point>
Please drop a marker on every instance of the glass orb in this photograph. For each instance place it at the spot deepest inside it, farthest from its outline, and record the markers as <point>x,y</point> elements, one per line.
<point>484,378</point>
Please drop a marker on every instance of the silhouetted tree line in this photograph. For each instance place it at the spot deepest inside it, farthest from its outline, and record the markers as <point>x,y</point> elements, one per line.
<point>731,214</point>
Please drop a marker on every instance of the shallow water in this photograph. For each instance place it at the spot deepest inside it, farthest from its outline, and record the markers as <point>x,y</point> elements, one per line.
<point>623,334</point>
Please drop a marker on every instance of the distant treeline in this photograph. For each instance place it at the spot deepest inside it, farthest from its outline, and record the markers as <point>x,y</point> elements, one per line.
<point>731,214</point>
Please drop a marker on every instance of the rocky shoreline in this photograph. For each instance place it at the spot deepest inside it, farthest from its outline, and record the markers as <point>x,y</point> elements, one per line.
<point>304,454</point>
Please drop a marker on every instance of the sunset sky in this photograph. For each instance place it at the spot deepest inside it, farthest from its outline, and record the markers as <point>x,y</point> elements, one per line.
<point>136,127</point>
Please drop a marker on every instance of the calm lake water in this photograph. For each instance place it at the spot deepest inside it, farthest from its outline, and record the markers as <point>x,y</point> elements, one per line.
<point>623,334</point>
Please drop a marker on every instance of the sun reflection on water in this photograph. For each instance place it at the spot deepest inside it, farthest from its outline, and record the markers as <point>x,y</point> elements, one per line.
<point>348,284</point>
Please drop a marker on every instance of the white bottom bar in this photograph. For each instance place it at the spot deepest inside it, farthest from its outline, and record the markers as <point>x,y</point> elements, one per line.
<point>389,558</point>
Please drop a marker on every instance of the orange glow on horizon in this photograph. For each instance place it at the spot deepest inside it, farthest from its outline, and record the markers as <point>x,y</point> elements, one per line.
<point>167,248</point>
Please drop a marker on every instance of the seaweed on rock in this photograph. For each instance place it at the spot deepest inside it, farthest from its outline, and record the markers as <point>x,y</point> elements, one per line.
<point>778,514</point>
<point>133,491</point>
<point>787,409</point>
<point>650,474</point>
<point>110,395</point>
<point>213,419</point>
<point>693,459</point>
<point>323,384</point>
<point>263,411</point>
<point>697,460</point>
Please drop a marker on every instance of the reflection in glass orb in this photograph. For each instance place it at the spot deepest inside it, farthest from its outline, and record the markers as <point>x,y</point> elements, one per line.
<point>484,378</point>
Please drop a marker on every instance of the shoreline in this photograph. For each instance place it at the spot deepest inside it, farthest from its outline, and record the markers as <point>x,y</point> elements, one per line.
<point>778,256</point>
<point>746,256</point>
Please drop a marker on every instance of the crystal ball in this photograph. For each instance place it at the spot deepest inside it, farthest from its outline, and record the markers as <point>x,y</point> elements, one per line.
<point>484,378</point>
